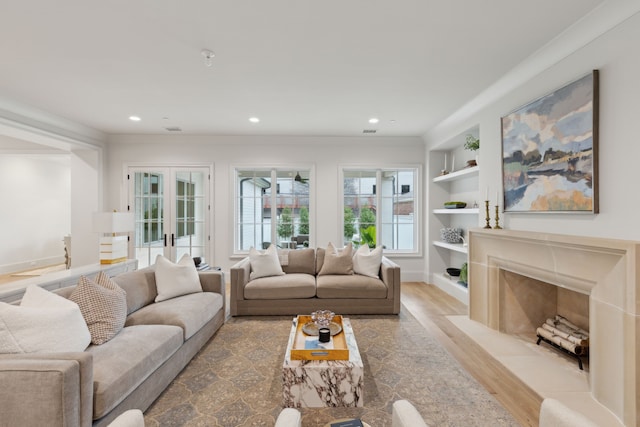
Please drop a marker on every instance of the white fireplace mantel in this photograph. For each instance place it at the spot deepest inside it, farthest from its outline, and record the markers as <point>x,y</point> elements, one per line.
<point>604,269</point>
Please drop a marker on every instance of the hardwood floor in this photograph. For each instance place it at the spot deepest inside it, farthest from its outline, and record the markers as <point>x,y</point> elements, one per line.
<point>430,306</point>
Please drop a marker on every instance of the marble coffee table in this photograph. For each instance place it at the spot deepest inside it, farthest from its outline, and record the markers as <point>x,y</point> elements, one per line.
<point>322,383</point>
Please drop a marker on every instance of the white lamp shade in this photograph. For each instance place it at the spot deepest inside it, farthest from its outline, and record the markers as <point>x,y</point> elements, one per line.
<point>113,222</point>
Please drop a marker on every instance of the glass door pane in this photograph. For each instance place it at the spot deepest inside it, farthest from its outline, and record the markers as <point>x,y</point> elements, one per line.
<point>149,209</point>
<point>190,213</point>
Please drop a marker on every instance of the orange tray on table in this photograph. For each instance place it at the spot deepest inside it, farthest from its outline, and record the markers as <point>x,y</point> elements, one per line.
<point>340,351</point>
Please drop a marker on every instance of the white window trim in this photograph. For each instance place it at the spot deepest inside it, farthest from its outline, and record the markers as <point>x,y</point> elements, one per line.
<point>419,200</point>
<point>274,167</point>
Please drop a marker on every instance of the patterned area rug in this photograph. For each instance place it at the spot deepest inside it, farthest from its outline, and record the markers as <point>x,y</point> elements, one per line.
<point>236,380</point>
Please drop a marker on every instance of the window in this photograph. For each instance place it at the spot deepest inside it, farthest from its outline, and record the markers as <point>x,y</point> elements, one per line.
<point>272,206</point>
<point>380,208</point>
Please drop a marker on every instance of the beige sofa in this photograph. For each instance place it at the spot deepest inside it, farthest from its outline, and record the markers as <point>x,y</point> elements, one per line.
<point>302,290</point>
<point>129,371</point>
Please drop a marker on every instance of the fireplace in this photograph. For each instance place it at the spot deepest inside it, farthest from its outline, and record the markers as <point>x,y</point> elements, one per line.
<point>575,272</point>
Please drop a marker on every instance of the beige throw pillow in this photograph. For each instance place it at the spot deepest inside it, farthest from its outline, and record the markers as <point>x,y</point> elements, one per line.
<point>264,263</point>
<point>367,262</point>
<point>174,280</point>
<point>43,323</point>
<point>337,262</point>
<point>103,305</point>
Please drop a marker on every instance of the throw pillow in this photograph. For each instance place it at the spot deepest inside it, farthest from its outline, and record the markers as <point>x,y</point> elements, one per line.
<point>264,263</point>
<point>337,262</point>
<point>174,280</point>
<point>43,323</point>
<point>367,262</point>
<point>103,305</point>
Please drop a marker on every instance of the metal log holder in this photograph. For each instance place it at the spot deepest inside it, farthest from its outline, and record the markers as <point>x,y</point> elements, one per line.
<point>564,350</point>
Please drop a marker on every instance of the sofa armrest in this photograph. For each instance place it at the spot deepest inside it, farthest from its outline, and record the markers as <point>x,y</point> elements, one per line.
<point>239,278</point>
<point>53,389</point>
<point>390,275</point>
<point>212,281</point>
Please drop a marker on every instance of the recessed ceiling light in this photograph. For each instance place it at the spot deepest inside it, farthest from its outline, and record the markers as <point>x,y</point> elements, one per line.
<point>254,120</point>
<point>134,118</point>
<point>373,120</point>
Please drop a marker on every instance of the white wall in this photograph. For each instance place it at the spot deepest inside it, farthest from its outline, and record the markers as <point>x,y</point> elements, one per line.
<point>324,154</point>
<point>35,210</point>
<point>86,194</point>
<point>615,54</point>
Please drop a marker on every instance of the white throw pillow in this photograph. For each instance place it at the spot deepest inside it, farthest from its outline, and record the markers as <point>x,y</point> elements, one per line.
<point>43,323</point>
<point>264,263</point>
<point>174,280</point>
<point>367,262</point>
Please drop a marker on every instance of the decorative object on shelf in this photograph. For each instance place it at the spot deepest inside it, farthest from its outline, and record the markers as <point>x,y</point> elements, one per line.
<point>444,171</point>
<point>453,272</point>
<point>455,205</point>
<point>472,143</point>
<point>464,274</point>
<point>497,226</point>
<point>558,170</point>
<point>486,214</point>
<point>451,235</point>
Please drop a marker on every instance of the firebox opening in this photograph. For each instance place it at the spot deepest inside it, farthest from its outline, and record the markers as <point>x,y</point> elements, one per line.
<point>527,303</point>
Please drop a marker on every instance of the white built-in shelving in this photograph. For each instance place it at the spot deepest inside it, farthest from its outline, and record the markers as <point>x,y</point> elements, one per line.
<point>457,185</point>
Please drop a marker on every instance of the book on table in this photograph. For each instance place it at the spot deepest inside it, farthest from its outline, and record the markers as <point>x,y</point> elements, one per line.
<point>356,422</point>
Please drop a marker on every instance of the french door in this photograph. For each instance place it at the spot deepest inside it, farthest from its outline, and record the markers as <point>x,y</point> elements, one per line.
<point>172,212</point>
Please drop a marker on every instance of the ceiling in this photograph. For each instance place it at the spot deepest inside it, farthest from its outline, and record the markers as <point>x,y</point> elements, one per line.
<point>302,67</point>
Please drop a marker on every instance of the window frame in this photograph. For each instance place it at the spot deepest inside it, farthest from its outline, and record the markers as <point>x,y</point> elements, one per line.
<point>418,200</point>
<point>273,170</point>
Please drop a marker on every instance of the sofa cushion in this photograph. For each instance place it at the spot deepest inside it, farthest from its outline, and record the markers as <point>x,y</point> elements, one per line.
<point>103,305</point>
<point>367,261</point>
<point>190,312</point>
<point>294,285</point>
<point>264,263</point>
<point>43,323</point>
<point>337,262</point>
<point>300,261</point>
<point>355,286</point>
<point>140,286</point>
<point>176,279</point>
<point>123,363</point>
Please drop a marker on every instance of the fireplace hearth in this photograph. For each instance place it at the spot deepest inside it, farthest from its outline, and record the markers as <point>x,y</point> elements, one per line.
<point>600,275</point>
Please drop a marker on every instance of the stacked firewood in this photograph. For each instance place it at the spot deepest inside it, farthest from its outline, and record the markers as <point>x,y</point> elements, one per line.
<point>565,334</point>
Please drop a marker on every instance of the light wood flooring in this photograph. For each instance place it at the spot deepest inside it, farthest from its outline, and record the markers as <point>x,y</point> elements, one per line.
<point>430,306</point>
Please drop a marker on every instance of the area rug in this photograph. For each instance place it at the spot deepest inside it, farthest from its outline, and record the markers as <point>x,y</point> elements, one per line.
<point>236,380</point>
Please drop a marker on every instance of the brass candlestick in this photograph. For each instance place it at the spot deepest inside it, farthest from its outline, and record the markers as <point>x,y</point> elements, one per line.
<point>497,226</point>
<point>486,211</point>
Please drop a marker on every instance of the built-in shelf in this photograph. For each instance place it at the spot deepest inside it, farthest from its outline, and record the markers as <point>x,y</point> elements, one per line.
<point>462,173</point>
<point>457,247</point>
<point>452,287</point>
<point>473,211</point>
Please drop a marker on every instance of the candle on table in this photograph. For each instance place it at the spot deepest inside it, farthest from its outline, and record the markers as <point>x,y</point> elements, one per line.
<point>486,195</point>
<point>497,197</point>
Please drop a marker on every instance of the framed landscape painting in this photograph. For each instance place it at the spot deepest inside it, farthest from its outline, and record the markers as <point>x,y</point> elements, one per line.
<point>550,151</point>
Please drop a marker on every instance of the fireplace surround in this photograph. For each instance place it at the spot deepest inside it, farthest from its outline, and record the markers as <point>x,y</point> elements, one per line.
<point>604,270</point>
